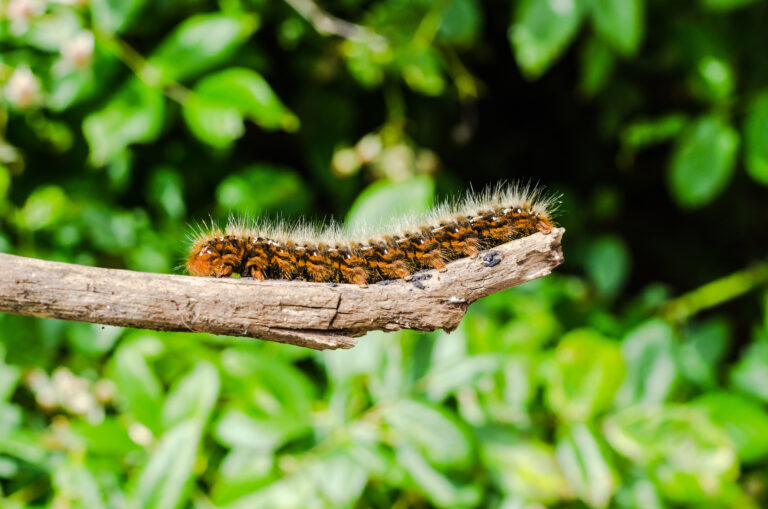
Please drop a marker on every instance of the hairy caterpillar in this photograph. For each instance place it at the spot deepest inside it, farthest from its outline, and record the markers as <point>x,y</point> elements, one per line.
<point>451,230</point>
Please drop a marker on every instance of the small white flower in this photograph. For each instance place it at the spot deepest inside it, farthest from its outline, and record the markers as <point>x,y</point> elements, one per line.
<point>369,147</point>
<point>140,434</point>
<point>78,52</point>
<point>104,390</point>
<point>66,382</point>
<point>23,88</point>
<point>18,9</point>
<point>81,402</point>
<point>71,3</point>
<point>345,162</point>
<point>20,12</point>
<point>395,162</point>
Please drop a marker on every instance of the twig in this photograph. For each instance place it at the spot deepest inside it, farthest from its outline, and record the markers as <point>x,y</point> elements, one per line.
<point>148,73</point>
<point>716,292</point>
<point>315,315</point>
<point>325,24</point>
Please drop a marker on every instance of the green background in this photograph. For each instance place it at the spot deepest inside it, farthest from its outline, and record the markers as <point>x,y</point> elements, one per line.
<point>636,375</point>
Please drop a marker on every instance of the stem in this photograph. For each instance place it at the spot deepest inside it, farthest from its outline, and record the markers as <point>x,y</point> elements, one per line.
<point>142,68</point>
<point>428,27</point>
<point>466,83</point>
<point>716,292</point>
<point>393,97</point>
<point>325,23</point>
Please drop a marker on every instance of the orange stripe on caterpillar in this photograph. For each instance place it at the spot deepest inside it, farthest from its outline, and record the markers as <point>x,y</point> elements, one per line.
<point>449,231</point>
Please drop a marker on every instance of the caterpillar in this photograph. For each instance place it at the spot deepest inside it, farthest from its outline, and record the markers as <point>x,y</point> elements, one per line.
<point>395,250</point>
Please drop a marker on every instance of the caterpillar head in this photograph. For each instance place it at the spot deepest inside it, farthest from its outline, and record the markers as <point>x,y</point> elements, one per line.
<point>205,260</point>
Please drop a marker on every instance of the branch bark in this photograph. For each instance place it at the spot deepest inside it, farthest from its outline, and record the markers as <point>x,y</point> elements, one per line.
<point>314,315</point>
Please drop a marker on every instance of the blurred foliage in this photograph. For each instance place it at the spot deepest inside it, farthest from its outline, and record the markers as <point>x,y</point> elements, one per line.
<point>634,376</point>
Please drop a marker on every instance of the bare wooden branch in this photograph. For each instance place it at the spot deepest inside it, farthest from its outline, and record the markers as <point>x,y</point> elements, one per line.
<point>315,315</point>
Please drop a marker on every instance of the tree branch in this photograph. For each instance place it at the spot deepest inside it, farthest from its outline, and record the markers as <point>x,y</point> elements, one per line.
<point>314,315</point>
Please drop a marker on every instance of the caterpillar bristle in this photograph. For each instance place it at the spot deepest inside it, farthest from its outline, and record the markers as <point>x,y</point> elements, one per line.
<point>367,254</point>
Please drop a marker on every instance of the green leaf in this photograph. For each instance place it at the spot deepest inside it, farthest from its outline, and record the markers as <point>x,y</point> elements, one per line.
<point>222,101</point>
<point>734,494</point>
<point>134,114</point>
<point>193,396</point>
<point>648,132</point>
<point>384,200</point>
<point>365,64</point>
<point>745,422</point>
<point>649,353</point>
<point>532,325</point>
<point>726,5</point>
<point>597,64</point>
<point>112,231</point>
<point>136,383</point>
<point>271,386</point>
<point>586,464</point>
<point>200,43</point>
<point>248,92</point>
<point>340,479</point>
<point>756,138</point>
<point>677,439</point>
<point>703,162</point>
<point>393,378</point>
<point>702,350</point>
<point>520,385</point>
<point>76,484</point>
<point>333,480</point>
<point>166,191</point>
<point>377,459</point>
<point>448,348</point>
<point>583,375</point>
<point>620,23</point>
<point>694,489</point>
<point>10,417</point>
<point>9,377</point>
<point>108,438</point>
<point>364,359</point>
<point>460,22</point>
<point>541,31</point>
<point>238,430</point>
<point>5,182</point>
<point>279,188</point>
<point>115,15</point>
<point>715,78</point>
<point>92,339</point>
<point>607,264</point>
<point>70,88</point>
<point>45,206</point>
<point>445,378</point>
<point>422,71</point>
<point>22,444</point>
<point>433,432</point>
<point>750,374</point>
<point>9,469</point>
<point>165,480</point>
<point>216,124</point>
<point>639,493</point>
<point>439,489</point>
<point>241,472</point>
<point>527,470</point>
